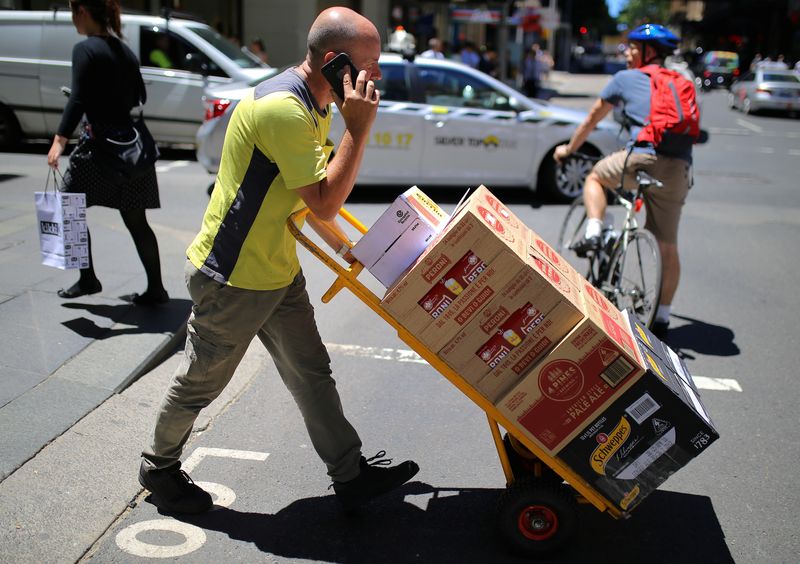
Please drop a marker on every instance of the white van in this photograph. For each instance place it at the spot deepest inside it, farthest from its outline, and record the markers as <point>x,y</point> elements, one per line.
<point>35,63</point>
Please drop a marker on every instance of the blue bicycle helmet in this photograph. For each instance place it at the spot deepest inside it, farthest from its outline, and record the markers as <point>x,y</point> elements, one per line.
<point>654,33</point>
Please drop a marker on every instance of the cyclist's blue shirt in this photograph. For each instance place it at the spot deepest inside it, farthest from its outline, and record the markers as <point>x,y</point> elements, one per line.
<point>631,88</point>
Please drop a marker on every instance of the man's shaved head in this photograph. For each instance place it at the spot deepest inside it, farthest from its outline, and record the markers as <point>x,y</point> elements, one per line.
<point>338,29</point>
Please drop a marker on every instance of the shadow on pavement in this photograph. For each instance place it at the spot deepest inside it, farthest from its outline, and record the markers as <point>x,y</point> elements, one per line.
<point>163,319</point>
<point>458,526</point>
<point>702,337</point>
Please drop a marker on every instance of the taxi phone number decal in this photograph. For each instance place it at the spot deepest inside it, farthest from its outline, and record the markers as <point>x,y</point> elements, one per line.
<point>389,140</point>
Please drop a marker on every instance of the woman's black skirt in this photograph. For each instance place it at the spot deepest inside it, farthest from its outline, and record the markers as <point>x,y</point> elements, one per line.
<point>84,175</point>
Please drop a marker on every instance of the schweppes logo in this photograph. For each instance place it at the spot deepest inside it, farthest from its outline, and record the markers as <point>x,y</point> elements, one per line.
<point>654,366</point>
<point>629,497</point>
<point>609,444</point>
<point>643,336</point>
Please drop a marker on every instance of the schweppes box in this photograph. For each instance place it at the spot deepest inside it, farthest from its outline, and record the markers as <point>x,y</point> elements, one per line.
<point>644,436</point>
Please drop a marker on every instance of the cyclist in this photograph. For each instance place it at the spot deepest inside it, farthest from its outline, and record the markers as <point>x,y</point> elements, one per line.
<point>670,163</point>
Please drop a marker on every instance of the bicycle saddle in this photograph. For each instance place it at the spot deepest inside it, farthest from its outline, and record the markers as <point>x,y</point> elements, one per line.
<point>645,180</point>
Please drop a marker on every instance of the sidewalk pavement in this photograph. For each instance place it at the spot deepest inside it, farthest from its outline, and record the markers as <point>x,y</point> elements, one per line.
<point>60,359</point>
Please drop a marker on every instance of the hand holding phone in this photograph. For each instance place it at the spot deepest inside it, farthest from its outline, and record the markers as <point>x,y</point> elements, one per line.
<point>334,70</point>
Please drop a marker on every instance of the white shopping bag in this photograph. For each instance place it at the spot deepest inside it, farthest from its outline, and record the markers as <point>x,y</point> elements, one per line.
<point>63,239</point>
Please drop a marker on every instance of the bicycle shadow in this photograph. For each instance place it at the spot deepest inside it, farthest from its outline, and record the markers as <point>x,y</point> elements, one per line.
<point>702,337</point>
<point>422,523</point>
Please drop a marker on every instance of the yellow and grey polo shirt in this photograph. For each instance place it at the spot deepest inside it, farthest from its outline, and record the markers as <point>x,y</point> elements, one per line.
<point>276,142</point>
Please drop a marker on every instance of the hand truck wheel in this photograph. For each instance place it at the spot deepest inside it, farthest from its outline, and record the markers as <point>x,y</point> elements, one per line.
<point>536,517</point>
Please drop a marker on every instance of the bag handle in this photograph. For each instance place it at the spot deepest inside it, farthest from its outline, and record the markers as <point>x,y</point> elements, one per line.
<point>55,173</point>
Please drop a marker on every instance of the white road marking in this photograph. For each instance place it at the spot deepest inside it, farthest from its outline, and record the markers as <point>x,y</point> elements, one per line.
<point>404,355</point>
<point>169,166</point>
<point>719,384</point>
<point>794,152</point>
<point>221,495</point>
<point>765,150</point>
<point>201,452</point>
<point>127,541</point>
<point>749,125</point>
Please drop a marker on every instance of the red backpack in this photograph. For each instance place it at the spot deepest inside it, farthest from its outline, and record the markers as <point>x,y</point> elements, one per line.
<point>673,107</point>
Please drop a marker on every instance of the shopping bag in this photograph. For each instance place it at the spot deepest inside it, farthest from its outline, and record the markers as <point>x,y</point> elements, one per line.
<point>61,216</point>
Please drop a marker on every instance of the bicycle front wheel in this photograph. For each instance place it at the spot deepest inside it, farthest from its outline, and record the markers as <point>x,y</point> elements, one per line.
<point>634,276</point>
<point>572,230</point>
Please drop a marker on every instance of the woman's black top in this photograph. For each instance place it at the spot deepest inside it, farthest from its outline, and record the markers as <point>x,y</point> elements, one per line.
<point>106,84</point>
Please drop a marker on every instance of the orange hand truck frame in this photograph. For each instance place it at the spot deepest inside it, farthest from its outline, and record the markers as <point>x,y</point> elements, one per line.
<point>537,513</point>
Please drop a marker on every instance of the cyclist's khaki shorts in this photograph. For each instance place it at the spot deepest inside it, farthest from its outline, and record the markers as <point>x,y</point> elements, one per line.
<point>663,204</point>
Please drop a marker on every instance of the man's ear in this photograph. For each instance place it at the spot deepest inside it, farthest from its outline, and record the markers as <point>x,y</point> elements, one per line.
<point>327,57</point>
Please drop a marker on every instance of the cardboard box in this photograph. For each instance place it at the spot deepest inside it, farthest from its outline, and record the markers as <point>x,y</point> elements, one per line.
<point>539,248</point>
<point>484,227</point>
<point>596,362</point>
<point>400,235</point>
<point>521,323</point>
<point>465,290</point>
<point>643,437</point>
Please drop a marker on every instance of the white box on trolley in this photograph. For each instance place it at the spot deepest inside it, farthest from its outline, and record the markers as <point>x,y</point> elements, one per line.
<point>400,235</point>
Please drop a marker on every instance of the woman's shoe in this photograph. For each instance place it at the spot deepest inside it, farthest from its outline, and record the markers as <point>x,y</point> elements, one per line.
<point>76,290</point>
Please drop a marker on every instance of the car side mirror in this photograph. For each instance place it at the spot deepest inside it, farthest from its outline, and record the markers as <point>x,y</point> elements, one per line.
<point>195,62</point>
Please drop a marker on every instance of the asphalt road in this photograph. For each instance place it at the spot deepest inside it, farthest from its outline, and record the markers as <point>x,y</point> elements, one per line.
<point>734,318</point>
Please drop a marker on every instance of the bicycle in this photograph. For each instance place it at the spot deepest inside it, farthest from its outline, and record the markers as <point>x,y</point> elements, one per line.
<point>627,267</point>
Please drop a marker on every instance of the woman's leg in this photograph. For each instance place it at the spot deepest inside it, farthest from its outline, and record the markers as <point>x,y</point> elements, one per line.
<point>87,280</point>
<point>147,247</point>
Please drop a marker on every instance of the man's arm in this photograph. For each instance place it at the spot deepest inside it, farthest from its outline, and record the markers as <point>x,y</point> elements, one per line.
<point>599,110</point>
<point>358,109</point>
<point>332,233</point>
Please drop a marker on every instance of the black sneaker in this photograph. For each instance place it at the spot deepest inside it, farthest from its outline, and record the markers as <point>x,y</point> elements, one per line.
<point>373,480</point>
<point>583,246</point>
<point>660,329</point>
<point>173,490</point>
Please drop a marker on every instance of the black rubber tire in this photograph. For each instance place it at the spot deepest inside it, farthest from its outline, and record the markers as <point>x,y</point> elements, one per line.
<point>536,517</point>
<point>523,462</point>
<point>549,171</point>
<point>641,286</point>
<point>9,129</point>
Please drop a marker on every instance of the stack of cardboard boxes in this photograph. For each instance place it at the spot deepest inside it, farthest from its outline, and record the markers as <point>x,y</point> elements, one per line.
<point>576,376</point>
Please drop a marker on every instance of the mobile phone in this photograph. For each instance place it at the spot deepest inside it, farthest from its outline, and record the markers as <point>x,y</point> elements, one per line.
<point>334,70</point>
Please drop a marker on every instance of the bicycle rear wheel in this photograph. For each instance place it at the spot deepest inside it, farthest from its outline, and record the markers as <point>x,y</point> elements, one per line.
<point>634,276</point>
<point>572,230</point>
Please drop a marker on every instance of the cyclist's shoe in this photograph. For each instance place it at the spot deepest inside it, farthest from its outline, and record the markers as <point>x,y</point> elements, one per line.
<point>660,329</point>
<point>373,480</point>
<point>173,490</point>
<point>583,246</point>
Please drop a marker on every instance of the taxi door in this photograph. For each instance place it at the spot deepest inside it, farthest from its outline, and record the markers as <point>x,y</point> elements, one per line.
<point>472,135</point>
<point>395,145</point>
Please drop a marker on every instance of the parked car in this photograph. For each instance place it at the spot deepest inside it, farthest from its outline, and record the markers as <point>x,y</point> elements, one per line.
<point>719,69</point>
<point>766,89</point>
<point>441,123</point>
<point>35,62</point>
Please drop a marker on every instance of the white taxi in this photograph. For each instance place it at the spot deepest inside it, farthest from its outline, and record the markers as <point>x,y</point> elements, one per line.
<point>441,123</point>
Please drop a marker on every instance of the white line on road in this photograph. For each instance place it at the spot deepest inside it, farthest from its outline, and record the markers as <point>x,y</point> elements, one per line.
<point>749,125</point>
<point>403,355</point>
<point>201,452</point>
<point>169,166</point>
<point>794,152</point>
<point>765,150</point>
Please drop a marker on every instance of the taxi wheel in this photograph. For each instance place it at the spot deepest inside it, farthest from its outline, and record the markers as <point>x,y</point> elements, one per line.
<point>565,182</point>
<point>9,129</point>
<point>535,517</point>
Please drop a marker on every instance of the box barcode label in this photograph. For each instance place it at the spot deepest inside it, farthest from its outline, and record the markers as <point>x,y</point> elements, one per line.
<point>643,408</point>
<point>617,371</point>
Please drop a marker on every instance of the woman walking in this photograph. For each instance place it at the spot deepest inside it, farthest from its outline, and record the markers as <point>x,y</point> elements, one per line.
<point>106,85</point>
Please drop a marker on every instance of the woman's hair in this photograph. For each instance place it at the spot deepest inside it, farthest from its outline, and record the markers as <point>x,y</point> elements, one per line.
<point>104,12</point>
